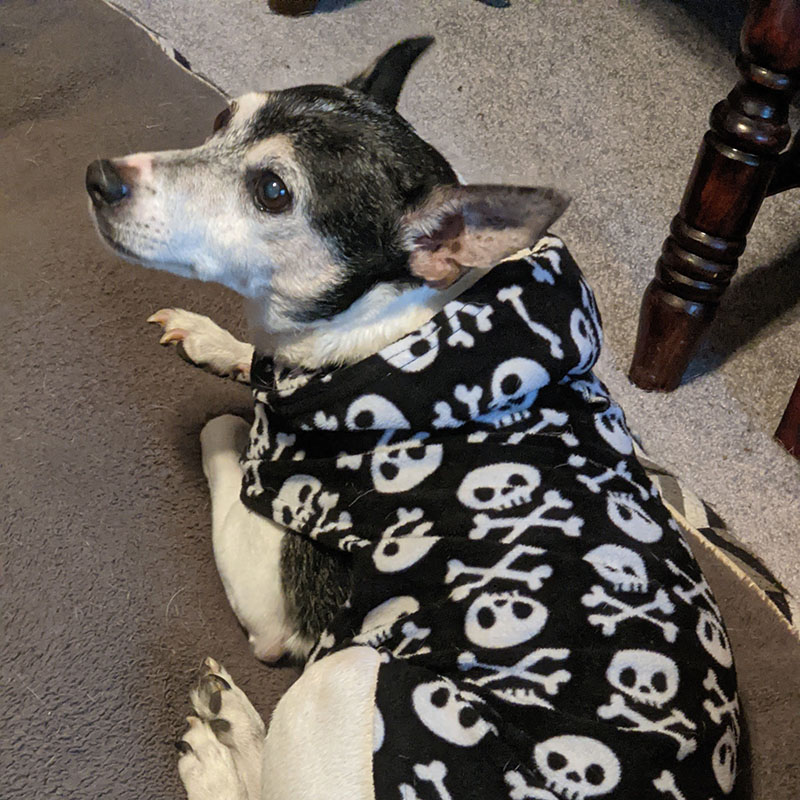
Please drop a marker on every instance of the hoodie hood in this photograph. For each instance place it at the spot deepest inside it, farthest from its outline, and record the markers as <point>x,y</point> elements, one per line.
<point>500,362</point>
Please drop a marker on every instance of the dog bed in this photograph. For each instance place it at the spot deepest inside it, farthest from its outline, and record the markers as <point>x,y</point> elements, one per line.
<point>110,596</point>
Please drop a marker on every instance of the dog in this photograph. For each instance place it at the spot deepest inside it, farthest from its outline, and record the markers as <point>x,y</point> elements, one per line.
<point>438,506</point>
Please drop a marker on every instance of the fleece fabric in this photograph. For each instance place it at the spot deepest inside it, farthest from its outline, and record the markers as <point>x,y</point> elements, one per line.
<point>545,630</point>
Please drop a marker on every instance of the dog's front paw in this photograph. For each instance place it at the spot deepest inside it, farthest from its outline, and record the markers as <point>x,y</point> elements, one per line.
<point>201,342</point>
<point>226,721</point>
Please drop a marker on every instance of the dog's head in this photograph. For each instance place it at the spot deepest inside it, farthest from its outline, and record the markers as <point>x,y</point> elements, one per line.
<point>307,198</point>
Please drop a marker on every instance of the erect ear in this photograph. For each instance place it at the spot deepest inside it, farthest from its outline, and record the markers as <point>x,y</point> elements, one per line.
<point>459,227</point>
<point>384,80</point>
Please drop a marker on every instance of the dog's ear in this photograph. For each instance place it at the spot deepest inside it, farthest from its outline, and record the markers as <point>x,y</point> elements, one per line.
<point>462,227</point>
<point>384,80</point>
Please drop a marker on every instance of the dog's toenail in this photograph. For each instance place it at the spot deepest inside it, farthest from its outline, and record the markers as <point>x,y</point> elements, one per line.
<point>219,726</point>
<point>221,682</point>
<point>210,664</point>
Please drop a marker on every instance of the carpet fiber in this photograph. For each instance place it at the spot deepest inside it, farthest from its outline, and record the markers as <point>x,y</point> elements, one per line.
<point>109,595</point>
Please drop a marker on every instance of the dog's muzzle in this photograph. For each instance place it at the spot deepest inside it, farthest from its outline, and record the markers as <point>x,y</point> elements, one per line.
<point>105,184</point>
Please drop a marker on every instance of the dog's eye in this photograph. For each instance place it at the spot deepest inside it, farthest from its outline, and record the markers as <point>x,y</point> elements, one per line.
<point>222,119</point>
<point>271,193</point>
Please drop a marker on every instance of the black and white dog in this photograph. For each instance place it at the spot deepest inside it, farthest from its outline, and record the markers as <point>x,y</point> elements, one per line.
<point>438,505</point>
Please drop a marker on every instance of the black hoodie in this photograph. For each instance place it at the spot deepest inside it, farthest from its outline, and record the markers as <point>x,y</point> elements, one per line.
<point>533,600</point>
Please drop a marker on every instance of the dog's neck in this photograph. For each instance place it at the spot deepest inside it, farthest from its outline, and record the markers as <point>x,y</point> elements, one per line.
<point>383,315</point>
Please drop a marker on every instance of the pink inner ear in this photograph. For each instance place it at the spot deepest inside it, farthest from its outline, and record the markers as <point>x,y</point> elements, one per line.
<point>436,269</point>
<point>448,230</point>
<point>433,258</point>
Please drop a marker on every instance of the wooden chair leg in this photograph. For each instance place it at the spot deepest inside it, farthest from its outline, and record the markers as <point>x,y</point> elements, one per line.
<point>787,173</point>
<point>788,433</point>
<point>731,175</point>
<point>293,8</point>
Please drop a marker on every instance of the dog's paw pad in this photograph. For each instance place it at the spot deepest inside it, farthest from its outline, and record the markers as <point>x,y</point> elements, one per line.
<point>207,766</point>
<point>218,700</point>
<point>207,696</point>
<point>220,728</point>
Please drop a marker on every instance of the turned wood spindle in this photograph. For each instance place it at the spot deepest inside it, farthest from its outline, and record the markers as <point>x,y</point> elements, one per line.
<point>731,177</point>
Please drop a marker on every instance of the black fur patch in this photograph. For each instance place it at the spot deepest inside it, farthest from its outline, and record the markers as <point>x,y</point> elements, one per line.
<point>316,583</point>
<point>385,80</point>
<point>366,167</point>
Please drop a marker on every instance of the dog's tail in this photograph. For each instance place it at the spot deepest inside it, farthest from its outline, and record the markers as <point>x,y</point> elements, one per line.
<point>384,80</point>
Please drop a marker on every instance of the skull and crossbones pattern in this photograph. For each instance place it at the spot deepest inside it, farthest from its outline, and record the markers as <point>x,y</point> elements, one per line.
<point>302,501</point>
<point>543,630</point>
<point>498,489</point>
<point>645,678</point>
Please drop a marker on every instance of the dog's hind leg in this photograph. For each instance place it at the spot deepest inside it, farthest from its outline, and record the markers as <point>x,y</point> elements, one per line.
<point>247,546</point>
<point>321,737</point>
<point>221,752</point>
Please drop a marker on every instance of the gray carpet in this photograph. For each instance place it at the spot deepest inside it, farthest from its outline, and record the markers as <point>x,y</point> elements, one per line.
<point>610,99</point>
<point>108,591</point>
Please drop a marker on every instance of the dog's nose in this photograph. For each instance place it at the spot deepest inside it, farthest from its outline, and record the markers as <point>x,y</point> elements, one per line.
<point>105,184</point>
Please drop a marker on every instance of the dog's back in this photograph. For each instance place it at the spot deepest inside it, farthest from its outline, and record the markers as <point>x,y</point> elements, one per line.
<point>542,623</point>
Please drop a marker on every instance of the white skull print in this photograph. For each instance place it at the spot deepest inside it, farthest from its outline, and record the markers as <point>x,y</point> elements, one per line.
<point>499,486</point>
<point>374,412</point>
<point>587,340</point>
<point>415,352</point>
<point>394,466</point>
<point>400,466</point>
<point>377,623</point>
<point>723,761</point>
<point>645,676</point>
<point>514,386</point>
<point>714,639</point>
<point>404,542</point>
<point>632,519</point>
<point>611,426</point>
<point>398,554</point>
<point>295,500</point>
<point>450,713</point>
<point>577,767</point>
<point>301,502</point>
<point>623,568</point>
<point>503,619</point>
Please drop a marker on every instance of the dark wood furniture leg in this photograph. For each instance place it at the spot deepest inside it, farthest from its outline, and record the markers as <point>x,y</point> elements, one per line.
<point>787,176</point>
<point>293,8</point>
<point>788,433</point>
<point>787,173</point>
<point>731,177</point>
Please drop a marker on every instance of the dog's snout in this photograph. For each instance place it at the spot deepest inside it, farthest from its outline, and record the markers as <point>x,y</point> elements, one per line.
<point>105,184</point>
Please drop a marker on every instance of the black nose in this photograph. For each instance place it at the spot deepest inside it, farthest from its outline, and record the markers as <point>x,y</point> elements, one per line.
<point>105,184</point>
